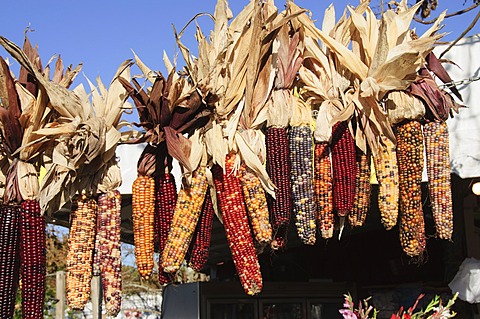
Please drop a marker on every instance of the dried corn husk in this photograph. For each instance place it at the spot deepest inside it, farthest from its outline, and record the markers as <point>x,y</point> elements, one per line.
<point>401,105</point>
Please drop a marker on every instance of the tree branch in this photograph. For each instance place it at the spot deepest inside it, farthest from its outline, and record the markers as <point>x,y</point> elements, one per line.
<point>449,15</point>
<point>470,27</point>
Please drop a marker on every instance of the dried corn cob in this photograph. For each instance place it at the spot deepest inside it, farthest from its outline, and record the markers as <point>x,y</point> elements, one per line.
<point>109,249</point>
<point>143,211</point>
<point>278,168</point>
<point>235,221</point>
<point>185,218</point>
<point>9,258</point>
<point>344,168</point>
<point>301,158</point>
<point>32,259</point>
<point>438,171</point>
<point>361,204</point>
<point>165,199</point>
<point>324,189</point>
<point>410,166</point>
<point>203,234</point>
<point>386,171</point>
<point>256,202</point>
<point>81,241</point>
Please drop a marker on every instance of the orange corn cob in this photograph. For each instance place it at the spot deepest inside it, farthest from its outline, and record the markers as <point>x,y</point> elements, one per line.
<point>185,218</point>
<point>237,229</point>
<point>410,166</point>
<point>143,211</point>
<point>256,203</point>
<point>323,189</point>
<point>438,172</point>
<point>361,204</point>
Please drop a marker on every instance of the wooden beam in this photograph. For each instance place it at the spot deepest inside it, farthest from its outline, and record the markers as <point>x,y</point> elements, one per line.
<point>96,297</point>
<point>60,295</point>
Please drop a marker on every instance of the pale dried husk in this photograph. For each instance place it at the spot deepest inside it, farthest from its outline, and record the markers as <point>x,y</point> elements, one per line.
<point>401,106</point>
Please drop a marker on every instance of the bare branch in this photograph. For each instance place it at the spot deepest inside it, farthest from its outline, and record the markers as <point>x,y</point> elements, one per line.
<point>449,15</point>
<point>470,27</point>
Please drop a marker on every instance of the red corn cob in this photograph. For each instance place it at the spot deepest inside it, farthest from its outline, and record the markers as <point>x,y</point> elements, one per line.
<point>237,229</point>
<point>109,249</point>
<point>202,236</point>
<point>32,259</point>
<point>278,168</point>
<point>324,189</point>
<point>165,199</point>
<point>344,168</point>
<point>9,258</point>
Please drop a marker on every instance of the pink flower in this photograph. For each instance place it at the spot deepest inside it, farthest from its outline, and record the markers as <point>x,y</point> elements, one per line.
<point>348,314</point>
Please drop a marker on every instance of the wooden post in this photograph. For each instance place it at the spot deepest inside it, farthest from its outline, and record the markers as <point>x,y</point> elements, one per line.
<point>60,295</point>
<point>96,297</point>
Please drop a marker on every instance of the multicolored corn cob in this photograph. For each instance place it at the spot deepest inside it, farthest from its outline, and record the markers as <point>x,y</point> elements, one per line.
<point>323,182</point>
<point>410,166</point>
<point>143,212</point>
<point>165,200</point>
<point>203,233</point>
<point>237,229</point>
<point>361,204</point>
<point>81,241</point>
<point>386,171</point>
<point>109,249</point>
<point>32,258</point>
<point>185,218</point>
<point>9,258</point>
<point>301,158</point>
<point>437,150</point>
<point>344,168</point>
<point>278,168</point>
<point>257,208</point>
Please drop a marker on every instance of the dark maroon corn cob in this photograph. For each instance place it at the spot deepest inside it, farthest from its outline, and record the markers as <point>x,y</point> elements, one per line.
<point>9,258</point>
<point>32,259</point>
<point>344,168</point>
<point>203,234</point>
<point>278,168</point>
<point>165,200</point>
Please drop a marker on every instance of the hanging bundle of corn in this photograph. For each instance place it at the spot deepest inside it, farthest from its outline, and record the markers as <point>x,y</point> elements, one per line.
<point>361,203</point>
<point>344,168</point>
<point>187,211</point>
<point>438,172</point>
<point>108,249</point>
<point>165,200</point>
<point>203,233</point>
<point>410,166</point>
<point>324,189</point>
<point>301,158</point>
<point>386,172</point>
<point>81,241</point>
<point>237,229</point>
<point>9,258</point>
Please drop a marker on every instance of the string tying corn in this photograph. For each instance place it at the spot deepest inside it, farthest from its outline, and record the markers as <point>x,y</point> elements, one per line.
<point>81,241</point>
<point>33,259</point>
<point>301,158</point>
<point>324,189</point>
<point>185,218</point>
<point>386,171</point>
<point>410,166</point>
<point>438,171</point>
<point>237,228</point>
<point>143,209</point>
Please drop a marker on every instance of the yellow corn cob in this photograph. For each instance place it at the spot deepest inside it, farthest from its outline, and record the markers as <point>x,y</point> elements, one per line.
<point>410,166</point>
<point>256,203</point>
<point>386,170</point>
<point>361,203</point>
<point>81,241</point>
<point>185,217</point>
<point>438,172</point>
<point>143,213</point>
<point>323,182</point>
